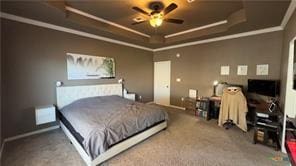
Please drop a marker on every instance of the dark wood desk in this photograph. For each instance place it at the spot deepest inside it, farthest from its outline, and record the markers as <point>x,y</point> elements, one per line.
<point>266,125</point>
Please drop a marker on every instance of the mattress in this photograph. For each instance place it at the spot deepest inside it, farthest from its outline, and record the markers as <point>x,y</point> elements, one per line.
<point>99,123</point>
<point>77,135</point>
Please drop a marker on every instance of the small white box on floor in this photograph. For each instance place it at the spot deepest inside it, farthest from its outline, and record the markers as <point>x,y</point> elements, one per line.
<point>45,114</point>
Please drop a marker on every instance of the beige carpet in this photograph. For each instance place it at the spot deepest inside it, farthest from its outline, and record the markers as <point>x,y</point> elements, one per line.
<point>187,141</point>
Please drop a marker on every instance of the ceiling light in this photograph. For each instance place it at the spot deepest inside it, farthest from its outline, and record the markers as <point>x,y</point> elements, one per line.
<point>156,20</point>
<point>190,1</point>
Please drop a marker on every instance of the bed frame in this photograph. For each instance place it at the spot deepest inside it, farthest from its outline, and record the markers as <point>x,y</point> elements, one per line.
<point>66,95</point>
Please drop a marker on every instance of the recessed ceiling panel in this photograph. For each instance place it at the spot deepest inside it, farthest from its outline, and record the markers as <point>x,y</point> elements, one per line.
<point>259,14</point>
<point>195,14</point>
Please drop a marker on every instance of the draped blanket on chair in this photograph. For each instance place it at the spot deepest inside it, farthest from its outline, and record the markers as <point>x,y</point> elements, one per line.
<point>233,107</point>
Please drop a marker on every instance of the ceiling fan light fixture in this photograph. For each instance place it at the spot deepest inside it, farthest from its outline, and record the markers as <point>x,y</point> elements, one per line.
<point>190,1</point>
<point>156,20</point>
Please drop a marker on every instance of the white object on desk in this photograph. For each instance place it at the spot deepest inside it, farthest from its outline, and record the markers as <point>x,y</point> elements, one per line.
<point>262,115</point>
<point>45,114</point>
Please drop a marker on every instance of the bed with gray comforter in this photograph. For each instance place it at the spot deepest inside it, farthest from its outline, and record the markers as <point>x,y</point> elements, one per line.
<point>107,120</point>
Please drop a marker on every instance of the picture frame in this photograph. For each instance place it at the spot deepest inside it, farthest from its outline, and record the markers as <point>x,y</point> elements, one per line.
<point>80,66</point>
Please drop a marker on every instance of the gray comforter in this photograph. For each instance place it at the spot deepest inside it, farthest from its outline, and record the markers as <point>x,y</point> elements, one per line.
<point>104,121</point>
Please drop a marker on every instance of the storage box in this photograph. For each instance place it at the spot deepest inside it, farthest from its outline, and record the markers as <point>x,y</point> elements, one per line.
<point>260,135</point>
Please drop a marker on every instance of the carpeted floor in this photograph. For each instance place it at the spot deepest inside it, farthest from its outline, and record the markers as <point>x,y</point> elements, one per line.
<point>187,141</point>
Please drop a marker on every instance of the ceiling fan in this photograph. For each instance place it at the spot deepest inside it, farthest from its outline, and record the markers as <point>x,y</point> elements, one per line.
<point>157,16</point>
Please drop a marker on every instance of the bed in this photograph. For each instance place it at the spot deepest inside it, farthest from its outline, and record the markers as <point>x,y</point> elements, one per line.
<point>100,123</point>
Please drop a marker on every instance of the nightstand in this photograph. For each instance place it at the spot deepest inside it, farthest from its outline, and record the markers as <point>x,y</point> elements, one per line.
<point>130,96</point>
<point>45,114</point>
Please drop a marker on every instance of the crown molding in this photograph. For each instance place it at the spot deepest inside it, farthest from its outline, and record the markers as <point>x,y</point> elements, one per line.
<point>289,13</point>
<point>196,29</point>
<point>68,30</point>
<point>285,20</point>
<point>82,13</point>
<point>244,34</point>
<point>97,37</point>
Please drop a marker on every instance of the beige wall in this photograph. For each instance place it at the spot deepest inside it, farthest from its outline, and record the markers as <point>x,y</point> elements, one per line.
<point>288,92</point>
<point>34,58</point>
<point>199,65</point>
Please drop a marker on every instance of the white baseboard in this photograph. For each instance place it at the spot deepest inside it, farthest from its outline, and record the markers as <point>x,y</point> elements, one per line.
<point>151,102</point>
<point>174,106</point>
<point>31,133</point>
<point>25,135</point>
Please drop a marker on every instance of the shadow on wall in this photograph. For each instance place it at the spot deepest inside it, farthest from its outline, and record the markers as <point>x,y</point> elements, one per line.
<point>25,119</point>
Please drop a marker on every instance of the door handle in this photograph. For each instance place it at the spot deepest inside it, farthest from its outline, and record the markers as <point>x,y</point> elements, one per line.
<point>167,86</point>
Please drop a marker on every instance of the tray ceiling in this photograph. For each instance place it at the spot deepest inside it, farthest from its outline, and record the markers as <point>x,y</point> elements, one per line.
<point>194,14</point>
<point>247,16</point>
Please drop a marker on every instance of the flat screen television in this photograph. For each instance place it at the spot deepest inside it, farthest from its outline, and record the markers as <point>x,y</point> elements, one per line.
<point>264,87</point>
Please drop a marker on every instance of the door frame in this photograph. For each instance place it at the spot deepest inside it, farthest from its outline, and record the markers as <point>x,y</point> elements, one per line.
<point>289,103</point>
<point>169,94</point>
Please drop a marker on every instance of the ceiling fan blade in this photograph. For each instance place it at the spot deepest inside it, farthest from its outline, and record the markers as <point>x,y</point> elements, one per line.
<point>170,8</point>
<point>136,23</point>
<point>141,10</point>
<point>175,21</point>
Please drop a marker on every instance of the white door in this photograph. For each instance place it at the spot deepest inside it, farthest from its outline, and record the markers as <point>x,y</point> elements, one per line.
<point>162,80</point>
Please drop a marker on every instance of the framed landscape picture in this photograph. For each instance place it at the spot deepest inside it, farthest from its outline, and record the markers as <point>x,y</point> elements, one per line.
<point>89,67</point>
